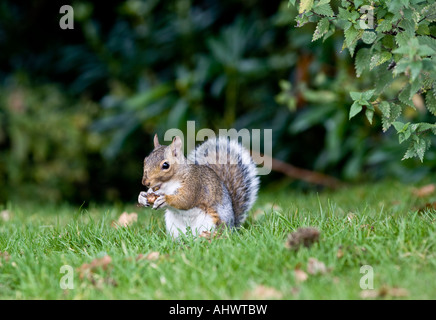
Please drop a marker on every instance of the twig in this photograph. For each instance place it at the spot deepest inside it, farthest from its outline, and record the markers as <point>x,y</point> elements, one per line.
<point>299,173</point>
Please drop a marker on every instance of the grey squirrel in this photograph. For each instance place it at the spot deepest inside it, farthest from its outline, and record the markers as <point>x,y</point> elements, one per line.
<point>216,185</point>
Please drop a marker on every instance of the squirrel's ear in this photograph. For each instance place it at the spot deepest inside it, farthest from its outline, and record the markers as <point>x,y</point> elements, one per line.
<point>176,146</point>
<point>156,141</point>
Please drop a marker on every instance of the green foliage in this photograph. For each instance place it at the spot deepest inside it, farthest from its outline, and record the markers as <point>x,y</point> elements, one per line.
<point>135,68</point>
<point>395,38</point>
<point>50,153</point>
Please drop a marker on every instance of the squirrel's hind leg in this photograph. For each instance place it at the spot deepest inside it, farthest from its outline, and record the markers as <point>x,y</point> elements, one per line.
<point>193,221</point>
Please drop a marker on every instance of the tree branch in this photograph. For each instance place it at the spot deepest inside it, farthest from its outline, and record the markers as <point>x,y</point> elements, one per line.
<point>299,173</point>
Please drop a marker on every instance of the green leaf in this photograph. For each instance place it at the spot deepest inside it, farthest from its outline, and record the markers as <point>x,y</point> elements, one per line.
<point>384,78</point>
<point>324,10</point>
<point>415,69</point>
<point>352,35</point>
<point>417,148</point>
<point>430,102</point>
<point>301,20</point>
<point>401,39</point>
<point>305,6</point>
<point>385,108</point>
<point>425,40</point>
<point>423,29</point>
<point>429,12</point>
<point>355,95</point>
<point>395,112</point>
<point>369,37</point>
<point>404,131</point>
<point>321,28</point>
<point>379,58</point>
<point>400,126</point>
<point>367,95</point>
<point>330,32</point>
<point>388,41</point>
<point>369,115</point>
<point>355,109</point>
<point>384,25</point>
<point>423,126</point>
<point>358,3</point>
<point>361,63</point>
<point>405,97</point>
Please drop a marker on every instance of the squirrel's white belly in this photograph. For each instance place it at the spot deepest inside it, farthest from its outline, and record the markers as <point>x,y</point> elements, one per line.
<point>193,220</point>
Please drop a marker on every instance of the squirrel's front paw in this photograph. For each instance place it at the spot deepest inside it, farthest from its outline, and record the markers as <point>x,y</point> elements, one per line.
<point>159,202</point>
<point>142,199</point>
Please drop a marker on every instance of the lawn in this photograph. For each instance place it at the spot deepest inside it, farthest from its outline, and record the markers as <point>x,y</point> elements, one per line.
<point>380,226</point>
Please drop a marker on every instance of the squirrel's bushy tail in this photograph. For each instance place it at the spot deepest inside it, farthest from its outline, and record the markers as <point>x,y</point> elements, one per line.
<point>235,167</point>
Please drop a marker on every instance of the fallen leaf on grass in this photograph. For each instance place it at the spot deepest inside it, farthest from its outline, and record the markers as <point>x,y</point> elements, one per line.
<point>424,191</point>
<point>152,256</point>
<point>300,275</point>
<point>125,219</point>
<point>383,292</point>
<point>350,217</point>
<point>303,236</point>
<point>259,212</point>
<point>208,235</point>
<point>87,269</point>
<point>339,253</point>
<point>315,267</point>
<point>427,207</point>
<point>263,292</point>
<point>5,215</point>
<point>4,256</point>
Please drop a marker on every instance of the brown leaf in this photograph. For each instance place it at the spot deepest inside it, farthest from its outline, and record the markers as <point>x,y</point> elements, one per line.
<point>258,213</point>
<point>315,267</point>
<point>383,292</point>
<point>427,207</point>
<point>263,292</point>
<point>152,256</point>
<point>5,215</point>
<point>217,234</point>
<point>206,234</point>
<point>350,217</point>
<point>5,257</point>
<point>125,219</point>
<point>87,269</point>
<point>424,191</point>
<point>398,292</point>
<point>300,275</point>
<point>339,253</point>
<point>303,236</point>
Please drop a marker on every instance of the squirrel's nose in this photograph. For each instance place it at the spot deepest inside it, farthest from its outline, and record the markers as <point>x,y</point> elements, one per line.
<point>146,182</point>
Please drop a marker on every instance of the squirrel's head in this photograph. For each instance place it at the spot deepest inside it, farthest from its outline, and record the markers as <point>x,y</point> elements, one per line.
<point>162,163</point>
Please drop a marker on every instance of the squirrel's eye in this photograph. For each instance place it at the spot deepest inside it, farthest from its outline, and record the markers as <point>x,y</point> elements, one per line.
<point>165,165</point>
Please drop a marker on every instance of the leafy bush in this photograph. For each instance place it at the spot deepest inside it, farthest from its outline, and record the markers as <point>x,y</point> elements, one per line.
<point>134,68</point>
<point>399,42</point>
<point>50,151</point>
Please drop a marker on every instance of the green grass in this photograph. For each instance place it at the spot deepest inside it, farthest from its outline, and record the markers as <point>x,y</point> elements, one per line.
<point>376,225</point>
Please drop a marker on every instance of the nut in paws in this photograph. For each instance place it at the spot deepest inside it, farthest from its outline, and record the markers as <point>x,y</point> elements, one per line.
<point>159,202</point>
